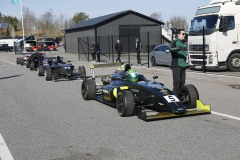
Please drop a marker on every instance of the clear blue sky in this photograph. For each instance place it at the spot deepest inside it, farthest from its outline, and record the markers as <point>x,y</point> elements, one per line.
<point>96,8</point>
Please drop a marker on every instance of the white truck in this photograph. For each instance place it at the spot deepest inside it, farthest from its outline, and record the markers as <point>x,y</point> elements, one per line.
<point>221,22</point>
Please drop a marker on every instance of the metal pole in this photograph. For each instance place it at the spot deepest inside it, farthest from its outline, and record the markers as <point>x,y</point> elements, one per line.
<point>22,25</point>
<point>204,64</point>
<point>128,50</point>
<point>109,47</point>
<point>112,51</point>
<point>148,47</point>
<point>88,48</point>
<point>78,51</point>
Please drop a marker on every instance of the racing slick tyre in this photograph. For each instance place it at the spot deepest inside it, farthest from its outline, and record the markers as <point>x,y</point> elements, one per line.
<point>88,89</point>
<point>189,96</point>
<point>27,64</point>
<point>48,74</point>
<point>125,103</point>
<point>82,71</point>
<point>234,62</point>
<point>40,70</point>
<point>18,60</point>
<point>22,62</point>
<point>32,65</point>
<point>153,61</point>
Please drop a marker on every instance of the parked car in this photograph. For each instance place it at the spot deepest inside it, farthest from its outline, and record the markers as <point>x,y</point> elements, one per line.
<point>161,55</point>
<point>5,47</point>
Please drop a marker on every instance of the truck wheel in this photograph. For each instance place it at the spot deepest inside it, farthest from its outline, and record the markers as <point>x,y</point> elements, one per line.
<point>18,60</point>
<point>48,74</point>
<point>32,65</point>
<point>189,96</point>
<point>88,89</point>
<point>40,70</point>
<point>125,103</point>
<point>234,62</point>
<point>22,62</point>
<point>82,71</point>
<point>153,61</point>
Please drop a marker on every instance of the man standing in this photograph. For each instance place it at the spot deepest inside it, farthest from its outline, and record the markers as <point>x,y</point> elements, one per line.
<point>97,51</point>
<point>178,50</point>
<point>118,48</point>
<point>138,49</point>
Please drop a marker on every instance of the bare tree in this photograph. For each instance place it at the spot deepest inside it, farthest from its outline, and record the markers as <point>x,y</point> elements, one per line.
<point>157,16</point>
<point>178,22</point>
<point>47,22</point>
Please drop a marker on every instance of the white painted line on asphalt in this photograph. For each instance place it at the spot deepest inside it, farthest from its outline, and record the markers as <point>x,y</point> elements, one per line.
<point>4,151</point>
<point>7,61</point>
<point>225,115</point>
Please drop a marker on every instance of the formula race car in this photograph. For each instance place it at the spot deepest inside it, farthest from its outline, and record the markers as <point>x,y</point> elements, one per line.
<point>49,61</point>
<point>133,94</point>
<point>23,60</point>
<point>64,70</point>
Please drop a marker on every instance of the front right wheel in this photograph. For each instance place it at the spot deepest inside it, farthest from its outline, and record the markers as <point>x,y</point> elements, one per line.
<point>189,96</point>
<point>125,103</point>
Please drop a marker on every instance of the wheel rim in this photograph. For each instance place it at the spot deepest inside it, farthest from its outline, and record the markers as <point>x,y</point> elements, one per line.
<point>120,104</point>
<point>236,62</point>
<point>185,99</point>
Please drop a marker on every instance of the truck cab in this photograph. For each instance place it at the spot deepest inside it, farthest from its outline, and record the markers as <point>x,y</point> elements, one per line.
<point>221,22</point>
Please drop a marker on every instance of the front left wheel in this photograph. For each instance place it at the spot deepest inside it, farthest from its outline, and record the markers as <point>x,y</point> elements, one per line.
<point>88,89</point>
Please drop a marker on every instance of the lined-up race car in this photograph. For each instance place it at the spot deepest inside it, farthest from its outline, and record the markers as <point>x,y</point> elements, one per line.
<point>64,70</point>
<point>49,61</point>
<point>23,60</point>
<point>132,94</point>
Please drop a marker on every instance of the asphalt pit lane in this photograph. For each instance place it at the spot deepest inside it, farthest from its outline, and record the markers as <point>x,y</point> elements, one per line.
<point>235,86</point>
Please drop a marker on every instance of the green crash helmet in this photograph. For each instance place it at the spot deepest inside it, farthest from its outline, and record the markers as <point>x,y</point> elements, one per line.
<point>132,75</point>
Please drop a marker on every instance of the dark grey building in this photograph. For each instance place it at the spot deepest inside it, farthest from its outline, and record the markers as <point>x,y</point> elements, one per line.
<point>105,30</point>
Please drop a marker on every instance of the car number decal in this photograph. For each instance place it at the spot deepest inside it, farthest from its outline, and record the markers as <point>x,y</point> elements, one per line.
<point>171,98</point>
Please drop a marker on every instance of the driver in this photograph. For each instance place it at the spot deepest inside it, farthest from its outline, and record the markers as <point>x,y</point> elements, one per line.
<point>132,75</point>
<point>59,60</point>
<point>35,56</point>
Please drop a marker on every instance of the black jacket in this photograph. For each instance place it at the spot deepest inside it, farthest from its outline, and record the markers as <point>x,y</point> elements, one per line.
<point>97,48</point>
<point>138,46</point>
<point>118,47</point>
<point>35,56</point>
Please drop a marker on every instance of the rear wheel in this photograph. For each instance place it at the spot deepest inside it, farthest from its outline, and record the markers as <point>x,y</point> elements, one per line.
<point>18,60</point>
<point>234,62</point>
<point>153,61</point>
<point>48,74</point>
<point>125,103</point>
<point>82,71</point>
<point>88,89</point>
<point>22,62</point>
<point>32,65</point>
<point>189,96</point>
<point>27,64</point>
<point>41,70</point>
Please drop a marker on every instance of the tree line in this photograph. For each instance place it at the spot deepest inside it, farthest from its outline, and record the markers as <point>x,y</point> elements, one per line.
<point>50,25</point>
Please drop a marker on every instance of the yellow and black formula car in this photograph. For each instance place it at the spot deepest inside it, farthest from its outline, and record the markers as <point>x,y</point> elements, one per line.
<point>132,94</point>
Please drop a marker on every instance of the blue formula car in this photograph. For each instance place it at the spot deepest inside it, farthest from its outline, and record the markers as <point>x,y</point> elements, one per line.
<point>132,94</point>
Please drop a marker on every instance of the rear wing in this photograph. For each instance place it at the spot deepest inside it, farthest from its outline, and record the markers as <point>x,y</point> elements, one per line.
<point>107,65</point>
